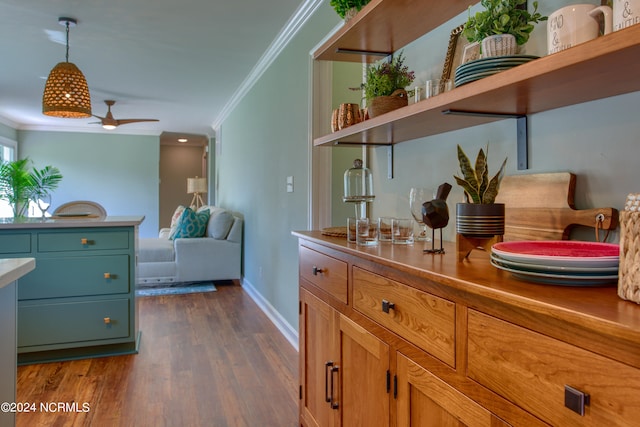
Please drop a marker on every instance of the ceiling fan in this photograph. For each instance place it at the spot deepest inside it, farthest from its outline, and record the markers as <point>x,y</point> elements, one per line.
<point>109,123</point>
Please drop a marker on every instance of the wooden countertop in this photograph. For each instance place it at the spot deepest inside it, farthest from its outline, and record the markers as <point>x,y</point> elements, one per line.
<point>14,268</point>
<point>587,308</point>
<point>69,222</point>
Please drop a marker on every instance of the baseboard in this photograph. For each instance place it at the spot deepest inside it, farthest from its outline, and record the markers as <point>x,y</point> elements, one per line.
<point>276,318</point>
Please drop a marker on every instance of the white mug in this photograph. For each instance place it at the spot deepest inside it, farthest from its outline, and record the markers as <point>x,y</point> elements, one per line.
<point>575,24</point>
<point>625,13</point>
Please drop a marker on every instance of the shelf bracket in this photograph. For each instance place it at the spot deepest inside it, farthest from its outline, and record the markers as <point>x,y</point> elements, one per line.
<point>363,52</point>
<point>522,133</point>
<point>390,162</point>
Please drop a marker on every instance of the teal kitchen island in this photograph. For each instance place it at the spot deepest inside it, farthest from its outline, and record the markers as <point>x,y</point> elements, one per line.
<point>79,301</point>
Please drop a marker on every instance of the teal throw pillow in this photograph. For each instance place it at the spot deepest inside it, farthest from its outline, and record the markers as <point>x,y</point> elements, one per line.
<point>191,224</point>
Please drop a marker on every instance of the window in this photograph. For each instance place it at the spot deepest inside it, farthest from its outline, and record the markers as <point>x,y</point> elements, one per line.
<point>8,150</point>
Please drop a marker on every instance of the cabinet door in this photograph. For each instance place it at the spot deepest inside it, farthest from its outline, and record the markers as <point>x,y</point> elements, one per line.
<point>425,400</point>
<point>364,377</point>
<point>317,361</point>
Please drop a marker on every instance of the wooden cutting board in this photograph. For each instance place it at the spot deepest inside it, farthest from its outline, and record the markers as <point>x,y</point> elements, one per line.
<point>541,207</point>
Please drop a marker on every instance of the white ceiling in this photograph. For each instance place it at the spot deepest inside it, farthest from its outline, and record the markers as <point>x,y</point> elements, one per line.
<point>177,61</point>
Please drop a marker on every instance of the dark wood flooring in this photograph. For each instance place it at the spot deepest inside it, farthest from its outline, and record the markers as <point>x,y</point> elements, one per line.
<point>207,359</point>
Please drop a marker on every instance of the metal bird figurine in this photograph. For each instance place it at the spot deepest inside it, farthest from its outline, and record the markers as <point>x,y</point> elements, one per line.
<point>435,214</point>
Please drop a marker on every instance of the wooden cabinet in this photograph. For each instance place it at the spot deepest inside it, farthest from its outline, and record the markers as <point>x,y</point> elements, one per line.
<point>80,299</point>
<point>426,400</point>
<point>425,340</point>
<point>344,369</point>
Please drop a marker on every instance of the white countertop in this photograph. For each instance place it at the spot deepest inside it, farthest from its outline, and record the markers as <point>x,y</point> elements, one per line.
<point>11,269</point>
<point>109,221</point>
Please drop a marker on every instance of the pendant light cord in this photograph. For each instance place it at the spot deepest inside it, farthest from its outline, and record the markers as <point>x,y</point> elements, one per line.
<point>67,54</point>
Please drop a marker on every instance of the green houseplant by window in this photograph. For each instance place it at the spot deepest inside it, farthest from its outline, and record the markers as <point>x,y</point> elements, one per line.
<point>347,9</point>
<point>385,83</point>
<point>19,184</point>
<point>502,17</point>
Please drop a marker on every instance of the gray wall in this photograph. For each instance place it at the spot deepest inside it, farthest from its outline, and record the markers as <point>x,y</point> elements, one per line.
<point>118,171</point>
<point>265,139</point>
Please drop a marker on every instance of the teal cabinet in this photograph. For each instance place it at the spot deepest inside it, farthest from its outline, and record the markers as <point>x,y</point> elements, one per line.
<point>79,301</point>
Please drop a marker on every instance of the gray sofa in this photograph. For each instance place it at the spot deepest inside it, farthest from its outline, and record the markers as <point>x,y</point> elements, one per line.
<point>217,256</point>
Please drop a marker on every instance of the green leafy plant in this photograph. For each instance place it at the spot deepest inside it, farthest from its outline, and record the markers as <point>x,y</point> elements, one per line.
<point>478,188</point>
<point>342,6</point>
<point>502,17</point>
<point>386,77</point>
<point>19,184</point>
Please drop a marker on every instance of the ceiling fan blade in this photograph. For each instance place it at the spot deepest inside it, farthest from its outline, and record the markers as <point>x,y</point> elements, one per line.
<point>126,121</point>
<point>98,117</point>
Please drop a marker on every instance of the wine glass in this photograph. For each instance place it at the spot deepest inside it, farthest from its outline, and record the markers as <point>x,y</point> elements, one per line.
<point>44,203</point>
<point>417,196</point>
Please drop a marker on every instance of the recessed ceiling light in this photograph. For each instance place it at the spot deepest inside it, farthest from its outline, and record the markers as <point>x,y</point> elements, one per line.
<point>182,139</point>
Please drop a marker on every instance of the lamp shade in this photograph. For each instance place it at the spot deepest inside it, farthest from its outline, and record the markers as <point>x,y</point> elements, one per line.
<point>66,93</point>
<point>196,185</point>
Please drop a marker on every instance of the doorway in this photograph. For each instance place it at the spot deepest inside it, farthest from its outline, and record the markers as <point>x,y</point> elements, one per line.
<point>179,160</point>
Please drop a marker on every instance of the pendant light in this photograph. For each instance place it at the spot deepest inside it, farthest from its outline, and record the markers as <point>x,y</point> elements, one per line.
<point>66,93</point>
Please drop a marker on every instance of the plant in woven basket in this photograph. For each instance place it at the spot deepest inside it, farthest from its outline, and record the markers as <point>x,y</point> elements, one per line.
<point>342,7</point>
<point>386,77</point>
<point>477,186</point>
<point>502,17</point>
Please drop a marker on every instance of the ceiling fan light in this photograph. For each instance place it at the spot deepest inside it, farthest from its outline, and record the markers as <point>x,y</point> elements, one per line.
<point>109,127</point>
<point>66,93</point>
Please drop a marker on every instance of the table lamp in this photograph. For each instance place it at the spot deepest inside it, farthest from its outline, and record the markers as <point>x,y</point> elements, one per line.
<point>196,186</point>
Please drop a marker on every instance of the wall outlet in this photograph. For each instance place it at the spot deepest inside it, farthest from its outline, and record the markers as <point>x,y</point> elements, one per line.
<point>289,184</point>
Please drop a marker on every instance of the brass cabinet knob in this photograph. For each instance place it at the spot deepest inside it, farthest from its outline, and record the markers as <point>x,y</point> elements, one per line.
<point>84,241</point>
<point>107,320</point>
<point>107,275</point>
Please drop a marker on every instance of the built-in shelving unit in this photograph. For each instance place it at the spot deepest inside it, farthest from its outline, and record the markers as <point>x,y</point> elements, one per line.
<point>604,67</point>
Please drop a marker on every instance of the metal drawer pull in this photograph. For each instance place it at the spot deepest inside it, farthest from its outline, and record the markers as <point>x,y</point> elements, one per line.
<point>575,399</point>
<point>107,275</point>
<point>334,404</point>
<point>317,270</point>
<point>84,241</point>
<point>327,365</point>
<point>386,306</point>
<point>107,320</point>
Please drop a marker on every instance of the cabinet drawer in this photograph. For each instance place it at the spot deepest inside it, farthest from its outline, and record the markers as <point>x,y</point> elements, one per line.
<point>61,323</point>
<point>82,241</point>
<point>15,243</point>
<point>532,370</point>
<point>76,276</point>
<point>325,272</point>
<point>419,317</point>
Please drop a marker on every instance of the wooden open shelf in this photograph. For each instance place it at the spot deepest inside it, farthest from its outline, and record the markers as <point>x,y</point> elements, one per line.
<point>388,25</point>
<point>600,68</point>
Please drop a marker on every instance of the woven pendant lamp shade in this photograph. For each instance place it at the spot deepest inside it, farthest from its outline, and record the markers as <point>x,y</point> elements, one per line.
<point>66,93</point>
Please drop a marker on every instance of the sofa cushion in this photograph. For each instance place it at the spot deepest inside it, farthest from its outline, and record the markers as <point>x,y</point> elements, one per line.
<point>191,224</point>
<point>174,219</point>
<point>220,223</point>
<point>155,250</point>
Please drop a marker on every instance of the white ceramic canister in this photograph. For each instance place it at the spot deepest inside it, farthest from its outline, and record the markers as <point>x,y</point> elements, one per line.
<point>625,13</point>
<point>575,24</point>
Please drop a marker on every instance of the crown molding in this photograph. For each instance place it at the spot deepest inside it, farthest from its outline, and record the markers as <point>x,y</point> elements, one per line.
<point>295,23</point>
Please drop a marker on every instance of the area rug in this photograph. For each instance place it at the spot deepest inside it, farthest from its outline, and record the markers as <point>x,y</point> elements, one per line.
<point>176,289</point>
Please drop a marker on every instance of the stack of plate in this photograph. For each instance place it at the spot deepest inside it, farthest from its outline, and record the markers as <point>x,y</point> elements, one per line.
<point>484,67</point>
<point>561,262</point>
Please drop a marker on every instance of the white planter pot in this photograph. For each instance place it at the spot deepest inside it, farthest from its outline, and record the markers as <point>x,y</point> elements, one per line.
<point>499,45</point>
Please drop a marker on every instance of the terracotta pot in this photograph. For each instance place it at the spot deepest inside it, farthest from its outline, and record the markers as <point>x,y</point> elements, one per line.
<point>480,220</point>
<point>383,104</point>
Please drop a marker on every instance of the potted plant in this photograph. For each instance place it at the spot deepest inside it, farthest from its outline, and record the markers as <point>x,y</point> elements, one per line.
<point>19,185</point>
<point>502,25</point>
<point>347,9</point>
<point>480,215</point>
<point>385,85</point>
